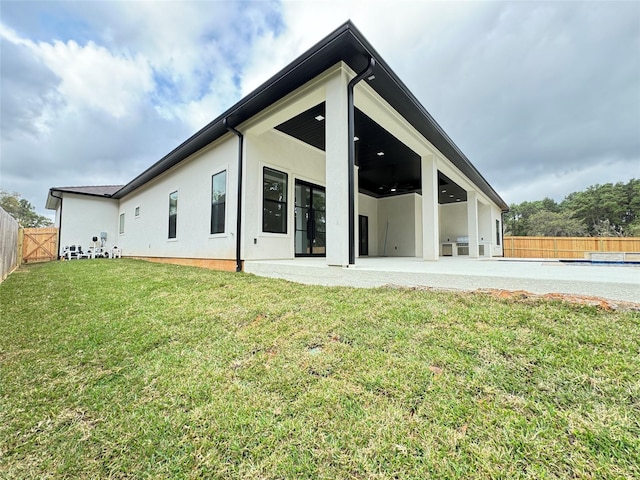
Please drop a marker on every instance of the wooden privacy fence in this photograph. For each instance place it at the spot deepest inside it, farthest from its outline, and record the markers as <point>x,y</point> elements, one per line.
<point>567,247</point>
<point>40,245</point>
<point>9,252</point>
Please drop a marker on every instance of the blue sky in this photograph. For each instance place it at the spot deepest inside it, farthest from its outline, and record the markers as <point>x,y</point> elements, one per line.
<point>543,97</point>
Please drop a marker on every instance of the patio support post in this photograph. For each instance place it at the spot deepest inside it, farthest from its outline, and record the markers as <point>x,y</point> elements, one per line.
<point>430,220</point>
<point>472,223</point>
<point>337,170</point>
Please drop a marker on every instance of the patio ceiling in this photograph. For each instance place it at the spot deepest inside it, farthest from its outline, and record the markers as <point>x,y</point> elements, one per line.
<point>387,166</point>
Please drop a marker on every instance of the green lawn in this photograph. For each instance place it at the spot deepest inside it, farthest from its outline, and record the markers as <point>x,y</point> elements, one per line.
<point>132,369</point>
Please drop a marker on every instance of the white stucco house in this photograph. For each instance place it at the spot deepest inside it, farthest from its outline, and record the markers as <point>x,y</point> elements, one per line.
<point>332,157</point>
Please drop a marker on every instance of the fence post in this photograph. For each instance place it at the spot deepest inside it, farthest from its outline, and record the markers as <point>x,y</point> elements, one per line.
<point>20,244</point>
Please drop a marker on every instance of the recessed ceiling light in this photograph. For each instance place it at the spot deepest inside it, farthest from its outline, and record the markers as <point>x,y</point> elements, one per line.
<point>393,189</point>
<point>444,191</point>
<point>355,139</point>
<point>380,154</point>
<point>371,77</point>
<point>319,118</point>
<point>450,196</point>
<point>457,199</point>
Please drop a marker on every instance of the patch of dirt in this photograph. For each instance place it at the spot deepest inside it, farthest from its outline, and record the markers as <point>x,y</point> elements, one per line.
<point>523,295</point>
<point>602,303</point>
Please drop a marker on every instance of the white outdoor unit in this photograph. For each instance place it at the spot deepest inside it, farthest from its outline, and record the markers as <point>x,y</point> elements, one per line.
<point>462,244</point>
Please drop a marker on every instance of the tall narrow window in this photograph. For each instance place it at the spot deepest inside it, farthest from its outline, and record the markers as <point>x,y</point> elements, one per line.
<point>121,229</point>
<point>274,201</point>
<point>173,214</point>
<point>498,232</point>
<point>218,201</point>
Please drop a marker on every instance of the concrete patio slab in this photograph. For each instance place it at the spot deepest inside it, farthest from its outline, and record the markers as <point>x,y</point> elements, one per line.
<point>614,282</point>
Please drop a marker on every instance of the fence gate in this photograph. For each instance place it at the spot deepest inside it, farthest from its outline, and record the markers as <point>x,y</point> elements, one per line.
<point>40,244</point>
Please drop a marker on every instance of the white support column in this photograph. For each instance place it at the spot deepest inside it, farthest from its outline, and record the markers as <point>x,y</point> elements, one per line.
<point>337,165</point>
<point>472,223</point>
<point>430,221</point>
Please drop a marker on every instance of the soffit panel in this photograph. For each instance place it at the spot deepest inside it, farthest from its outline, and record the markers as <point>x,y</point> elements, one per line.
<point>396,171</point>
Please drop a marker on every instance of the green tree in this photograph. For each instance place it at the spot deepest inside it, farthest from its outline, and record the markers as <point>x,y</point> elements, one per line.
<point>604,228</point>
<point>618,204</point>
<point>555,224</point>
<point>550,205</point>
<point>516,220</point>
<point>600,210</point>
<point>22,210</point>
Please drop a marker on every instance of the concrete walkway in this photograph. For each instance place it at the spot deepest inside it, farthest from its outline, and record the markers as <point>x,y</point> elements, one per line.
<point>614,282</point>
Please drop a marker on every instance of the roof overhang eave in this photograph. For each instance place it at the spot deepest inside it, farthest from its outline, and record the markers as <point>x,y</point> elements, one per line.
<point>52,201</point>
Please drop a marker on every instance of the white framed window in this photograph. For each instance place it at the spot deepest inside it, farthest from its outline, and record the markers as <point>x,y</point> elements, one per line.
<point>121,227</point>
<point>136,212</point>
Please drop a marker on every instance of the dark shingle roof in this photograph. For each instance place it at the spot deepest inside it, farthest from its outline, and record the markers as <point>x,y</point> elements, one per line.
<point>92,190</point>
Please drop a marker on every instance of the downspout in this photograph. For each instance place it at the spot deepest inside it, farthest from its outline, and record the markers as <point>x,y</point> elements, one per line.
<point>60,227</point>
<point>239,212</point>
<point>352,156</point>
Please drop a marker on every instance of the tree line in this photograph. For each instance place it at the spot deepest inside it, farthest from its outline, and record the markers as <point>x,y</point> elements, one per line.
<point>609,210</point>
<point>22,210</point>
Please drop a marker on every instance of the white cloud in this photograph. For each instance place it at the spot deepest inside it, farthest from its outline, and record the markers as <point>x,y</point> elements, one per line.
<point>92,76</point>
<point>307,24</point>
<point>76,114</point>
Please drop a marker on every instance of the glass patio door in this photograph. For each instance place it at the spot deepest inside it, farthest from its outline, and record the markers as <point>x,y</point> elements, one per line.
<point>310,220</point>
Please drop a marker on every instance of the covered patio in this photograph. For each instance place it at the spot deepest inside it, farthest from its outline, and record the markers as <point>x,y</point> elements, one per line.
<point>406,203</point>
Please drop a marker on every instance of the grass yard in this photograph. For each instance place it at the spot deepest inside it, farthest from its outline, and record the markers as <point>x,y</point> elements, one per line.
<point>133,369</point>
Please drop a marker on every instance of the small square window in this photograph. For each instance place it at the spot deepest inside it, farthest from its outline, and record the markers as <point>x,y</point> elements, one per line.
<point>137,212</point>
